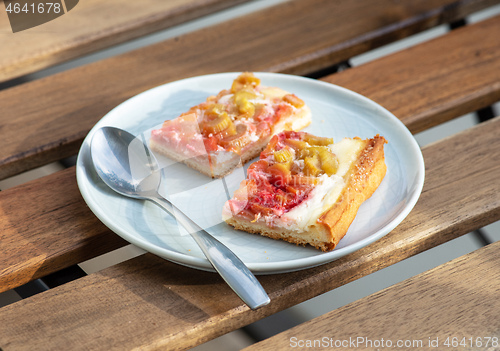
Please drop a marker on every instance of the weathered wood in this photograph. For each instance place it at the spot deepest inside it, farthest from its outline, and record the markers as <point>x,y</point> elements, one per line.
<point>455,74</point>
<point>17,233</point>
<point>153,304</point>
<point>90,26</point>
<point>46,120</point>
<point>451,307</point>
<point>44,227</point>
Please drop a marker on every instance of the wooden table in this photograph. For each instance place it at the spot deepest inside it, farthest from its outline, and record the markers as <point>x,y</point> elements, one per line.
<point>150,303</point>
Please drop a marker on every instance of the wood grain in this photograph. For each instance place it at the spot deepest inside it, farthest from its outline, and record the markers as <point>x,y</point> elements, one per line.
<point>44,225</point>
<point>153,304</point>
<point>29,268</point>
<point>93,25</point>
<point>457,301</point>
<point>455,74</point>
<point>62,108</point>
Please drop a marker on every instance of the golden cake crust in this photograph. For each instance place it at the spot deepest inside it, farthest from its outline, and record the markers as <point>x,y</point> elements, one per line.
<point>365,176</point>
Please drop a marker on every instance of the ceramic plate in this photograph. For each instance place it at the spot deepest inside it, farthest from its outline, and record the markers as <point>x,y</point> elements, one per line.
<point>337,113</point>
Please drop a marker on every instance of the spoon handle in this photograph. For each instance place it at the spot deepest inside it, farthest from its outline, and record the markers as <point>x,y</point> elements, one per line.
<point>226,263</point>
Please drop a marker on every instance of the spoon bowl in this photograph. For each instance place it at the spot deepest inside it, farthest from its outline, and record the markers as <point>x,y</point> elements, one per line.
<point>126,165</point>
<point>123,163</point>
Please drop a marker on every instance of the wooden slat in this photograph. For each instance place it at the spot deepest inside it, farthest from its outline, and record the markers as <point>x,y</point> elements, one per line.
<point>81,240</point>
<point>90,26</point>
<point>155,304</point>
<point>44,227</point>
<point>454,306</point>
<point>62,108</point>
<point>455,74</point>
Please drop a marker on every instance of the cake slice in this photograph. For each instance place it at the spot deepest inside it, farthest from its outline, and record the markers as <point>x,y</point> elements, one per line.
<point>306,189</point>
<point>230,128</point>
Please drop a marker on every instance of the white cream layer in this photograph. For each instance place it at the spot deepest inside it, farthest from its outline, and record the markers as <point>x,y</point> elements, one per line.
<point>326,193</point>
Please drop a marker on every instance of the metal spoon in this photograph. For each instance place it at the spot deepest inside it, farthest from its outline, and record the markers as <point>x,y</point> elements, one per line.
<point>122,163</point>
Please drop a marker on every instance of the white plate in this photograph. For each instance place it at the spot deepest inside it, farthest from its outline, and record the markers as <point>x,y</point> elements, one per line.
<point>337,113</point>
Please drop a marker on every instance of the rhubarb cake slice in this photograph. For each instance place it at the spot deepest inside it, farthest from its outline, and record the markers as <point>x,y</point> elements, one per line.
<point>306,189</point>
<point>234,125</point>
